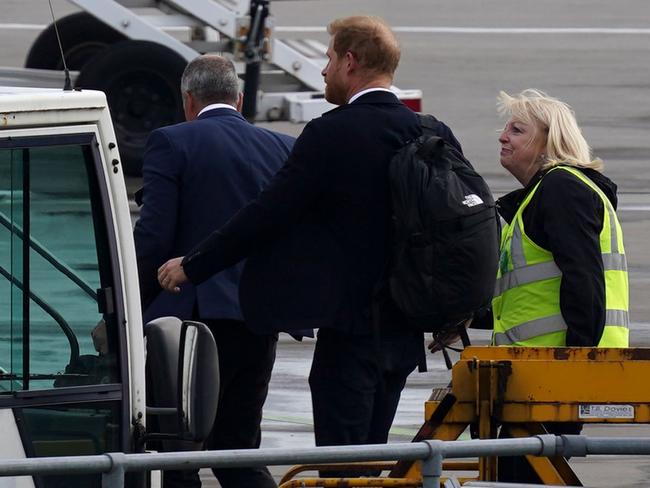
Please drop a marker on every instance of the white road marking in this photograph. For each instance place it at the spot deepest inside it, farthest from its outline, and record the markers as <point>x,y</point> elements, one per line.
<point>437,30</point>
<point>633,208</point>
<point>23,26</point>
<point>489,30</point>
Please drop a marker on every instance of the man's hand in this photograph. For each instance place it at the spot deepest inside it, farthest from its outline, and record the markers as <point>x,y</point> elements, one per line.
<point>443,339</point>
<point>448,337</point>
<point>171,274</point>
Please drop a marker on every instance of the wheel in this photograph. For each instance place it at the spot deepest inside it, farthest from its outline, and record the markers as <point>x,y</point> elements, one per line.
<point>141,80</point>
<point>82,36</point>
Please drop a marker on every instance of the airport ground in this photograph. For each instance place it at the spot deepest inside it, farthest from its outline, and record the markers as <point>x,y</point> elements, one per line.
<point>594,54</point>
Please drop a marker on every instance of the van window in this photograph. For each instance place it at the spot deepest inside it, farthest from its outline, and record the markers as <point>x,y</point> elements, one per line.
<point>52,252</point>
<point>59,311</point>
<point>55,273</point>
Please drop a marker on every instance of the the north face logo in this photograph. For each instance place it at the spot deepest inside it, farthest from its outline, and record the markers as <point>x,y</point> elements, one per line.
<point>472,200</point>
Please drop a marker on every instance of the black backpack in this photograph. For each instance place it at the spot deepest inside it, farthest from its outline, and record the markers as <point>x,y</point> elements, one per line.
<point>445,248</point>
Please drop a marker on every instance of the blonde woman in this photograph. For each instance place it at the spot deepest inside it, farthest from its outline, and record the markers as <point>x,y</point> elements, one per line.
<point>562,277</point>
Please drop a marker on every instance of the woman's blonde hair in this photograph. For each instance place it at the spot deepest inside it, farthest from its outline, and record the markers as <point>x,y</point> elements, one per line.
<point>565,143</point>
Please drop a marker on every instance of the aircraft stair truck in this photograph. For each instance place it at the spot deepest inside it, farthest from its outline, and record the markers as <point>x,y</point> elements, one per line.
<point>135,51</point>
<point>72,348</point>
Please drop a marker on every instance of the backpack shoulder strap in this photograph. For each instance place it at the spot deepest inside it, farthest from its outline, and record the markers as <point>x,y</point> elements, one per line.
<point>429,124</point>
<point>430,130</point>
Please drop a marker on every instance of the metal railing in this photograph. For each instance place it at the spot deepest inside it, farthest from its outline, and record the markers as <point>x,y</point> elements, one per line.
<point>113,466</point>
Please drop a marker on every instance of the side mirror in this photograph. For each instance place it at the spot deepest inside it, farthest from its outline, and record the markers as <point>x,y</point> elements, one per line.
<point>198,377</point>
<point>182,380</point>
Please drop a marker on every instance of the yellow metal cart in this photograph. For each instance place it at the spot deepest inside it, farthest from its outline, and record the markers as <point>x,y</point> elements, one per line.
<point>523,388</point>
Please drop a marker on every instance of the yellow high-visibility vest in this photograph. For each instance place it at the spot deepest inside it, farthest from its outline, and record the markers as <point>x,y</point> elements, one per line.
<point>526,303</point>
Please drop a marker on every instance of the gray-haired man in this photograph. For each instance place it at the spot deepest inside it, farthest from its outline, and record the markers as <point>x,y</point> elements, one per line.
<point>197,175</point>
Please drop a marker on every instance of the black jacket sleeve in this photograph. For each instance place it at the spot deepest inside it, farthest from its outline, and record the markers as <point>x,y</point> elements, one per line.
<point>565,216</point>
<point>289,193</point>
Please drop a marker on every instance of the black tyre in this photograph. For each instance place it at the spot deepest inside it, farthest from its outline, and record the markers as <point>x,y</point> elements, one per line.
<point>141,80</point>
<point>82,36</point>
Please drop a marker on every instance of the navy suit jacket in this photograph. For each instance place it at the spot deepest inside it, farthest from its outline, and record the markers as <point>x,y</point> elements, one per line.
<point>196,175</point>
<point>317,235</point>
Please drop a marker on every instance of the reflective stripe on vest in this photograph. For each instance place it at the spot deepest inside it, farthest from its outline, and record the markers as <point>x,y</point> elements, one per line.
<point>548,325</point>
<point>526,297</point>
<point>544,271</point>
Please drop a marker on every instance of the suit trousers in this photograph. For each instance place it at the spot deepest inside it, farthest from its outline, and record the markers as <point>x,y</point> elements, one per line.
<point>356,385</point>
<point>245,365</point>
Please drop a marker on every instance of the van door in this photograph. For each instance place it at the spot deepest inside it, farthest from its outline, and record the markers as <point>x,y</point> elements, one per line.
<point>63,373</point>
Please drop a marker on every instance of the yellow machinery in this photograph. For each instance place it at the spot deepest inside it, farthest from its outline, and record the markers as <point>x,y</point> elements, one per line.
<point>523,388</point>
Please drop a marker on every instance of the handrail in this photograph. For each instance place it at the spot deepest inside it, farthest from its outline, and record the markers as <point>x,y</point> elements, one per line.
<point>49,257</point>
<point>65,327</point>
<point>113,466</point>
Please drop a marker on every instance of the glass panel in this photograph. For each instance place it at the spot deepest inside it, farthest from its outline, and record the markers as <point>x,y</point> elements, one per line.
<point>71,430</point>
<point>68,262</point>
<point>11,270</point>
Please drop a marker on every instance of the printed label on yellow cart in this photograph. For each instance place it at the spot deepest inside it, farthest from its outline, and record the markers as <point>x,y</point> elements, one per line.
<point>606,411</point>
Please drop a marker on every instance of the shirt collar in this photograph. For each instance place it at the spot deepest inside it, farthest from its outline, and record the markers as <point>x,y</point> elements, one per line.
<point>213,106</point>
<point>367,90</point>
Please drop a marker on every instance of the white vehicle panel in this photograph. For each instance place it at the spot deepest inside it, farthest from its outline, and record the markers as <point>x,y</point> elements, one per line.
<point>11,447</point>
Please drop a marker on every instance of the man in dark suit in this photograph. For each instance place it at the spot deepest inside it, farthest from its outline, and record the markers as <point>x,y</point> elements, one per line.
<point>318,237</point>
<point>197,174</point>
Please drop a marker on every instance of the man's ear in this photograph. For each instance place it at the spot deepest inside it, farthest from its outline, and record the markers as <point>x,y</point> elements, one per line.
<point>351,62</point>
<point>240,101</point>
<point>189,106</point>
